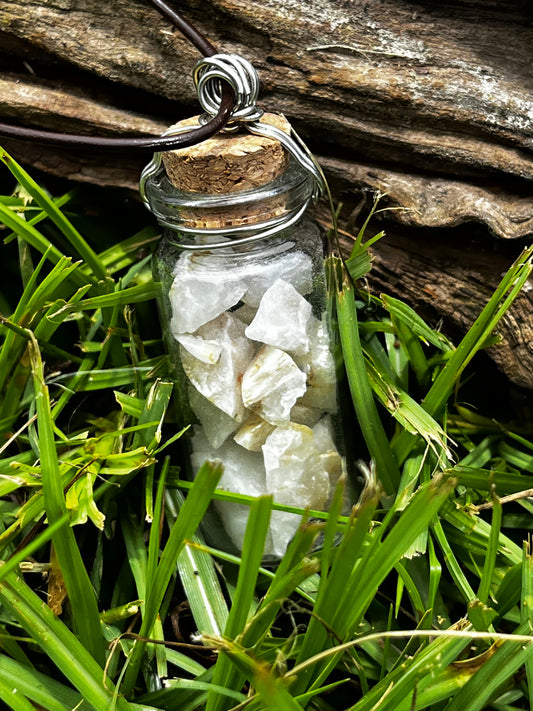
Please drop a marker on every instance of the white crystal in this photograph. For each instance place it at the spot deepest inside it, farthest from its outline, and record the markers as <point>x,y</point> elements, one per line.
<point>244,473</point>
<point>253,432</point>
<point>271,385</point>
<point>323,435</point>
<point>216,424</point>
<point>206,350</point>
<point>327,451</point>
<point>293,267</point>
<point>220,382</point>
<point>319,366</point>
<point>293,467</point>
<point>283,526</point>
<point>333,463</point>
<point>200,292</point>
<point>282,319</point>
<point>295,475</point>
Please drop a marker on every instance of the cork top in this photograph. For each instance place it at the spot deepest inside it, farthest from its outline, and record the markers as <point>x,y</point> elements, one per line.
<point>227,162</point>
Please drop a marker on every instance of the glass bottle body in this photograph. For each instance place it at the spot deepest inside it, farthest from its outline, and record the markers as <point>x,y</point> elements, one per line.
<point>246,325</point>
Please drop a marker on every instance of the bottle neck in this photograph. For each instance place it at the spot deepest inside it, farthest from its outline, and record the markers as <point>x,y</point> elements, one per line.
<point>203,220</point>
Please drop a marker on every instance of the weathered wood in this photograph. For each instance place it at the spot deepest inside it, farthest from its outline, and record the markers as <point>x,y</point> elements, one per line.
<point>433,201</point>
<point>443,88</point>
<point>429,103</point>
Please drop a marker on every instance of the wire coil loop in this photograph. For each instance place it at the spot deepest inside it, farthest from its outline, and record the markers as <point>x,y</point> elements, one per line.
<point>209,75</point>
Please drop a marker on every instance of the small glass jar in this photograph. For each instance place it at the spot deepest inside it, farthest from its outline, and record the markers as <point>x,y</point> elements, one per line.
<point>244,314</point>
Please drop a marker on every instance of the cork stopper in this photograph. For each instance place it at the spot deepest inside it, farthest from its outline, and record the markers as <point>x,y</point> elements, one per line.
<point>227,163</point>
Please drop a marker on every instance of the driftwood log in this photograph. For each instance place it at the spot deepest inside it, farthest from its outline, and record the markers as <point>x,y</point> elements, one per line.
<point>429,103</point>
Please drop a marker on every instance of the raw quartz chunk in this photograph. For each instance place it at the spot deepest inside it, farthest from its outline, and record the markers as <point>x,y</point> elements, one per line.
<point>206,350</point>
<point>253,432</point>
<point>296,476</point>
<point>220,382</point>
<point>271,385</point>
<point>296,268</point>
<point>216,425</point>
<point>318,364</point>
<point>329,456</point>
<point>244,472</point>
<point>282,319</point>
<point>206,291</point>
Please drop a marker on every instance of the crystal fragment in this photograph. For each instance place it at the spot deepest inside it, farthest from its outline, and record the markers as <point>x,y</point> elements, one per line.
<point>206,291</point>
<point>282,319</point>
<point>253,432</point>
<point>206,350</point>
<point>319,366</point>
<point>295,475</point>
<point>244,473</point>
<point>220,382</point>
<point>271,384</point>
<point>327,451</point>
<point>292,463</point>
<point>283,526</point>
<point>293,267</point>
<point>323,435</point>
<point>216,424</point>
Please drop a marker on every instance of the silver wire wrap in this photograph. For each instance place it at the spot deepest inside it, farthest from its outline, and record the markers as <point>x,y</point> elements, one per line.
<point>260,231</point>
<point>208,75</point>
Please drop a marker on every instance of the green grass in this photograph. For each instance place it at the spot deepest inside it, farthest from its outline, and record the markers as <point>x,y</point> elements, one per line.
<point>421,598</point>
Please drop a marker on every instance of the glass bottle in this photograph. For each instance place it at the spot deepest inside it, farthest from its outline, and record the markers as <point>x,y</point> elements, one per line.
<point>244,316</point>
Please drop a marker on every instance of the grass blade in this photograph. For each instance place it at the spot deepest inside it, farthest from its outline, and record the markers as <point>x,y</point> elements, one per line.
<point>485,685</point>
<point>526,610</point>
<point>415,673</point>
<point>38,687</point>
<point>78,584</point>
<point>56,216</point>
<point>485,583</point>
<point>226,674</point>
<point>59,643</point>
<point>334,589</point>
<point>500,302</point>
<point>377,561</point>
<point>401,312</point>
<point>13,697</point>
<point>273,693</point>
<point>365,407</point>
<point>186,524</point>
<point>32,236</point>
<point>199,579</point>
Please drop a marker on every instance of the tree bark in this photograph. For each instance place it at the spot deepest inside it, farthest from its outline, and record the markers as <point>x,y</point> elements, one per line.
<point>428,103</point>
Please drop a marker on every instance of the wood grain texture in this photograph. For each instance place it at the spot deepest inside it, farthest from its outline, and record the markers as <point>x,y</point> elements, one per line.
<point>419,87</point>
